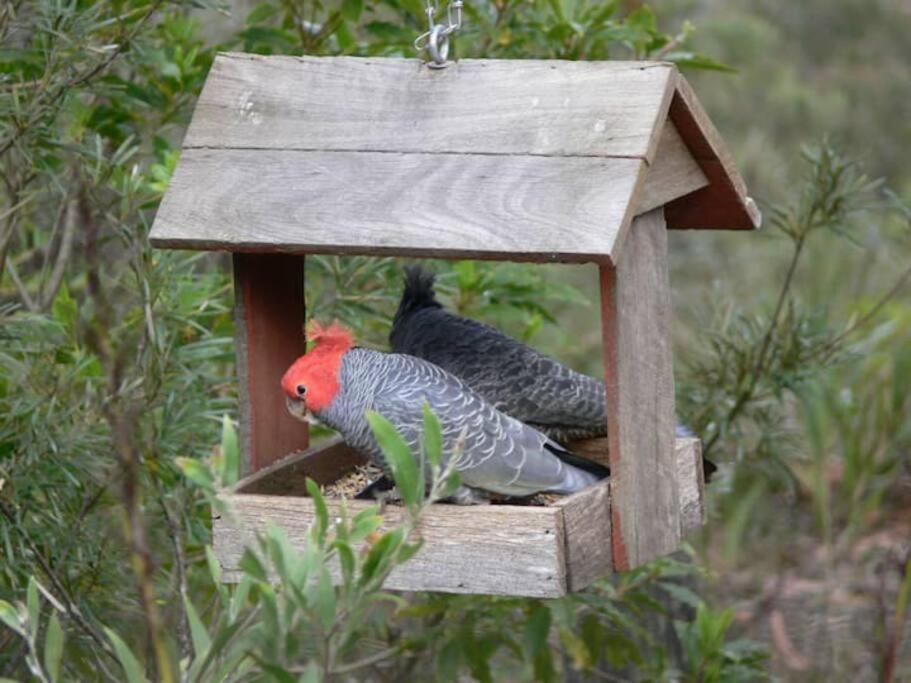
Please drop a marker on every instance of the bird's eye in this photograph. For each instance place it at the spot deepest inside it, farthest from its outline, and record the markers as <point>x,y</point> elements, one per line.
<point>301,390</point>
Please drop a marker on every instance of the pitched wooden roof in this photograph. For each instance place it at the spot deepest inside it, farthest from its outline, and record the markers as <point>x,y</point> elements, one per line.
<point>507,159</point>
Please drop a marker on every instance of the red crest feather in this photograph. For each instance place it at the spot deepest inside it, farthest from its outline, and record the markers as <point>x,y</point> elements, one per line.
<point>335,335</point>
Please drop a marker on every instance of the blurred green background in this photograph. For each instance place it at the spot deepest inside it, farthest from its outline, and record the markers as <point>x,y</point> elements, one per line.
<point>793,345</point>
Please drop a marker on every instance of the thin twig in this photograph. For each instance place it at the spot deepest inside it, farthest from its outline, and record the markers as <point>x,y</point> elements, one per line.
<point>366,661</point>
<point>867,317</point>
<point>20,287</point>
<point>180,564</point>
<point>52,286</point>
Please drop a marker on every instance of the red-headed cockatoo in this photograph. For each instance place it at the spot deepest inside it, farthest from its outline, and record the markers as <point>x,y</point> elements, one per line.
<point>338,383</point>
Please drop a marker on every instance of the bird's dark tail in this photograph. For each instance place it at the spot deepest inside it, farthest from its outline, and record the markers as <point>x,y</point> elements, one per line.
<point>418,292</point>
<point>579,462</point>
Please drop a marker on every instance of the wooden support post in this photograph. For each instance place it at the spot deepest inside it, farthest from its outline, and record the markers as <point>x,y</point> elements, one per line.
<point>269,314</point>
<point>636,320</point>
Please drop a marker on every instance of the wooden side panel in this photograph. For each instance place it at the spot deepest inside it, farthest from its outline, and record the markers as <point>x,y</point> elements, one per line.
<point>269,315</point>
<point>475,106</point>
<point>691,484</point>
<point>323,463</point>
<point>724,203</point>
<point>498,550</point>
<point>454,205</point>
<point>586,522</point>
<point>636,311</point>
<point>674,173</point>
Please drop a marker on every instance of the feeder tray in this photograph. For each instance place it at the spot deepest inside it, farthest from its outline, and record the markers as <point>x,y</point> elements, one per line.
<point>528,160</point>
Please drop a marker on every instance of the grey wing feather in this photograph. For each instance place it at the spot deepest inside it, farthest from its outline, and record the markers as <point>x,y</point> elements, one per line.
<point>514,377</point>
<point>496,452</point>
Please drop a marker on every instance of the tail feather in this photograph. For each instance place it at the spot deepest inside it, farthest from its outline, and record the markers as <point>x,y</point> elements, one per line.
<point>418,292</point>
<point>577,461</point>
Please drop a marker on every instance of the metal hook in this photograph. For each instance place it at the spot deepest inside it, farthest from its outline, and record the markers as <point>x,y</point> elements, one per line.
<point>438,46</point>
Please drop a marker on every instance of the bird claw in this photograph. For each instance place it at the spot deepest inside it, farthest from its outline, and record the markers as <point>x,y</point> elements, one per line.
<point>465,495</point>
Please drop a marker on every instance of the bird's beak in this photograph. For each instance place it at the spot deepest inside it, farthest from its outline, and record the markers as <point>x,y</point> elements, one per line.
<point>298,409</point>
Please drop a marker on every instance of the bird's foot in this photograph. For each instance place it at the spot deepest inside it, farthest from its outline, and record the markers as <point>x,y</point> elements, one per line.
<point>465,495</point>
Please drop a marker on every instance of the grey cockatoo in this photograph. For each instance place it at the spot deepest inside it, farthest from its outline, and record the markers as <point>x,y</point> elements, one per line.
<point>516,379</point>
<point>338,383</point>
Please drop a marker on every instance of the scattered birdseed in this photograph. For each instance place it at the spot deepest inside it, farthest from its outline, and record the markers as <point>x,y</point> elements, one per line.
<point>361,476</point>
<point>353,483</point>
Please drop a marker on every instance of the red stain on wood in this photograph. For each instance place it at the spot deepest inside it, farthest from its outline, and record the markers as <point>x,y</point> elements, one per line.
<point>609,337</point>
<point>722,203</point>
<point>269,312</point>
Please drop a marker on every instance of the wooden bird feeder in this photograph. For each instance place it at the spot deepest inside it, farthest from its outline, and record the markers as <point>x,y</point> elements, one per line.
<point>507,160</point>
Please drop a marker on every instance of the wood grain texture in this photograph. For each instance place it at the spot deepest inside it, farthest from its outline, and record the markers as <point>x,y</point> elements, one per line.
<point>323,463</point>
<point>586,532</point>
<point>724,203</point>
<point>494,549</point>
<point>673,174</point>
<point>269,316</point>
<point>451,206</point>
<point>636,318</point>
<point>475,106</point>
<point>468,549</point>
<point>691,484</point>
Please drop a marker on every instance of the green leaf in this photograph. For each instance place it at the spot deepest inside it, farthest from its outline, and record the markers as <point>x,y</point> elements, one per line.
<point>319,505</point>
<point>10,617</point>
<point>53,647</point>
<point>351,10</point>
<point>64,308</point>
<point>198,633</point>
<point>196,472</point>
<point>537,628</point>
<point>230,453</point>
<point>433,437</point>
<point>34,605</point>
<point>400,459</point>
<point>131,666</point>
<point>381,554</point>
<point>251,565</point>
<point>682,594</point>
<point>325,599</point>
<point>364,523</point>
<point>214,565</point>
<point>260,13</point>
<point>310,674</point>
<point>239,599</point>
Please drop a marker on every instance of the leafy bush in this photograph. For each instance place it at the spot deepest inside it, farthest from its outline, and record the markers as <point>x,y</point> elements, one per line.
<point>116,373</point>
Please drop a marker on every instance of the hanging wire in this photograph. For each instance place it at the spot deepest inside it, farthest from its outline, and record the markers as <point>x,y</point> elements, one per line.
<point>435,41</point>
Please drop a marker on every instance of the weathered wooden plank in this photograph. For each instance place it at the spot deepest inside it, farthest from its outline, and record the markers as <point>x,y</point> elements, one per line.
<point>673,174</point>
<point>586,532</point>
<point>494,549</point>
<point>690,484</point>
<point>455,206</point>
<point>583,525</point>
<point>269,316</point>
<point>724,203</point>
<point>636,318</point>
<point>475,106</point>
<point>323,463</point>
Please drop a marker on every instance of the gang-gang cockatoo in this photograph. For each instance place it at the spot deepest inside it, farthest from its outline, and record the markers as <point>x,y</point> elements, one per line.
<point>337,383</point>
<point>515,378</point>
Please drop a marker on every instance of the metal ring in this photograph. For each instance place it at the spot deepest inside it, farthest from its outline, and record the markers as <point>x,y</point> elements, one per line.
<point>438,45</point>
